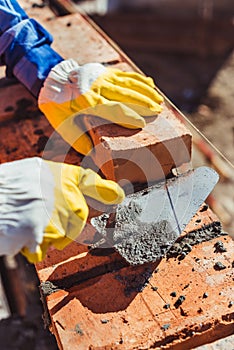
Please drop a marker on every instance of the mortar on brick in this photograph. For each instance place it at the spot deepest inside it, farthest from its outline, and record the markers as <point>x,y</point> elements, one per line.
<point>184,244</point>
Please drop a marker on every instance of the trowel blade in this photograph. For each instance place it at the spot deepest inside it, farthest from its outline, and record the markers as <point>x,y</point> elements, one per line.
<point>189,194</point>
<point>147,223</point>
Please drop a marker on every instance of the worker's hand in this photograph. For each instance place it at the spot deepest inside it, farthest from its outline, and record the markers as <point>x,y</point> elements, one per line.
<point>114,95</point>
<point>42,203</point>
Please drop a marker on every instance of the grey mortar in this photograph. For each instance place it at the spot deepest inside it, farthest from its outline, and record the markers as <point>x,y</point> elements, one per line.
<point>147,242</point>
<point>48,288</point>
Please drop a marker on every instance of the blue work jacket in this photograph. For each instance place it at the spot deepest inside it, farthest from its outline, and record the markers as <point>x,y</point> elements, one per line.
<point>25,47</point>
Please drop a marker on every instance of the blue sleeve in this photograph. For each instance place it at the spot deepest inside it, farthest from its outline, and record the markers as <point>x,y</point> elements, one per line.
<point>10,14</point>
<point>25,47</point>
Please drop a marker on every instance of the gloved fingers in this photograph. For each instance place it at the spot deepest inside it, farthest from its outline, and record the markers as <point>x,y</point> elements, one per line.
<point>118,113</point>
<point>144,111</point>
<point>115,93</point>
<point>83,144</point>
<point>72,211</point>
<point>104,191</point>
<point>55,239</point>
<point>141,87</point>
<point>61,118</point>
<point>89,99</point>
<point>61,243</point>
<point>136,76</point>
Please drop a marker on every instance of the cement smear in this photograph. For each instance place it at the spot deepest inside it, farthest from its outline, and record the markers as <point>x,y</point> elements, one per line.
<point>143,227</point>
<point>184,244</point>
<point>48,288</point>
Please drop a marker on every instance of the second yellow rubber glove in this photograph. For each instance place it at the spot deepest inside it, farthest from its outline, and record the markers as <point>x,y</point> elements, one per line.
<point>43,204</point>
<point>116,96</point>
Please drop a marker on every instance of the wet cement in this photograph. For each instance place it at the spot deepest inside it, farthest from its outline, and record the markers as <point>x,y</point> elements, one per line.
<point>147,243</point>
<point>219,247</point>
<point>136,241</point>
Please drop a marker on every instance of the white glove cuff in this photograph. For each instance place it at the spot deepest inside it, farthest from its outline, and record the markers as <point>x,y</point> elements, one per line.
<point>84,76</point>
<point>61,71</point>
<point>67,81</point>
<point>56,86</point>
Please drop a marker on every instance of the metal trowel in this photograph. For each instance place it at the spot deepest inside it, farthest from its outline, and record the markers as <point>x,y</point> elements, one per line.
<point>147,223</point>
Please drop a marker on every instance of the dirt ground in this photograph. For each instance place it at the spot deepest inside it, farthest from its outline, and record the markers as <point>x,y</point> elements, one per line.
<point>203,88</point>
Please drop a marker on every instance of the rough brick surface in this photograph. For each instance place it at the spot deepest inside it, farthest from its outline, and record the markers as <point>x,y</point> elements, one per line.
<point>100,295</point>
<point>82,40</point>
<point>73,36</point>
<point>130,305</point>
<point>28,133</point>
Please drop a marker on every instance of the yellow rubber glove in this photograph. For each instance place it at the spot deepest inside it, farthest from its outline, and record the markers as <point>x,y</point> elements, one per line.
<point>43,204</point>
<point>120,97</point>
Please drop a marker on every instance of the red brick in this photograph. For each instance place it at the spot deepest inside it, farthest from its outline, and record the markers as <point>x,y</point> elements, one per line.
<point>140,156</point>
<point>136,318</point>
<point>20,96</point>
<point>77,268</point>
<point>100,299</point>
<point>74,37</point>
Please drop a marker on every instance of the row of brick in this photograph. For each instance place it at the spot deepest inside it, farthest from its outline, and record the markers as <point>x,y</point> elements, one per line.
<point>97,301</point>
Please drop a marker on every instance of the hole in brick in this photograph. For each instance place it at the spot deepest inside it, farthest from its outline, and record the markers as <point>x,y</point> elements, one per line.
<point>219,247</point>
<point>219,266</point>
<point>78,330</point>
<point>179,301</point>
<point>38,132</point>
